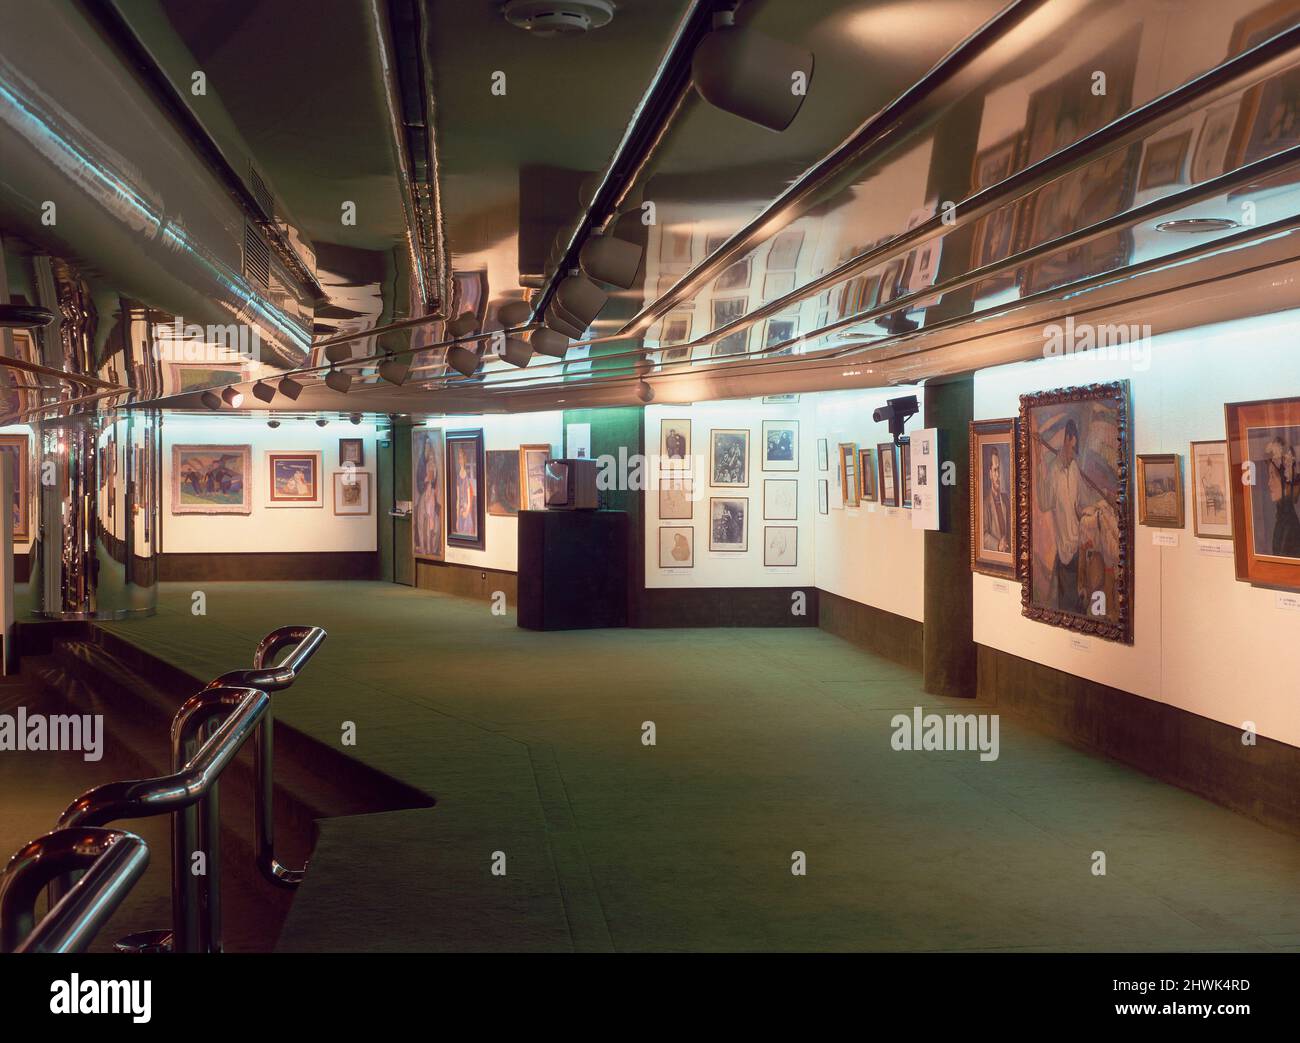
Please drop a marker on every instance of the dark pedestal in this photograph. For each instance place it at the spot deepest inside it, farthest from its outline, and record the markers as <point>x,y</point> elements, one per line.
<point>572,569</point>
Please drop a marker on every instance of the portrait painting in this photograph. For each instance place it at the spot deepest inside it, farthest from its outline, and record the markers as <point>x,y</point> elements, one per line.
<point>1264,457</point>
<point>503,482</point>
<point>905,473</point>
<point>532,476</point>
<point>674,444</point>
<point>676,547</point>
<point>728,523</point>
<point>888,474</point>
<point>465,494</point>
<point>1211,510</point>
<point>676,498</point>
<point>729,457</point>
<point>780,546</point>
<point>780,445</point>
<point>1075,512</point>
<point>1160,490</point>
<point>352,492</point>
<point>849,473</point>
<point>352,451</point>
<point>780,331</point>
<point>18,449</point>
<point>294,478</point>
<point>866,476</point>
<point>780,499</point>
<point>211,479</point>
<point>992,497</point>
<point>428,494</point>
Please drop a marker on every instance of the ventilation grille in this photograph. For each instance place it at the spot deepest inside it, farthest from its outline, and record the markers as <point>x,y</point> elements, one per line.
<point>261,193</point>
<point>257,257</point>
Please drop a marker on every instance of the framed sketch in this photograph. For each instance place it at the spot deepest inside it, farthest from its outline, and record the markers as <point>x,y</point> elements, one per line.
<point>780,445</point>
<point>992,497</point>
<point>18,448</point>
<point>866,476</point>
<point>779,331</point>
<point>1211,510</point>
<point>780,546</point>
<point>352,451</point>
<point>532,476</point>
<point>675,246</point>
<point>823,455</point>
<point>675,330</point>
<point>1264,476</point>
<point>849,473</point>
<point>783,254</point>
<point>1160,490</point>
<point>676,498</point>
<point>823,496</point>
<point>674,444</point>
<point>777,284</point>
<point>888,474</point>
<point>780,499</point>
<point>294,478</point>
<point>905,473</point>
<point>352,492</point>
<point>729,457</point>
<point>503,483</point>
<point>428,494</point>
<point>465,473</point>
<point>726,310</point>
<point>212,479</point>
<point>1075,513</point>
<point>729,523</point>
<point>676,547</point>
<point>733,277</point>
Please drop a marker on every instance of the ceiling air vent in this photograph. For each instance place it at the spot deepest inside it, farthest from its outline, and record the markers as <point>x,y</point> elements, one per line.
<point>257,257</point>
<point>555,17</point>
<point>261,193</point>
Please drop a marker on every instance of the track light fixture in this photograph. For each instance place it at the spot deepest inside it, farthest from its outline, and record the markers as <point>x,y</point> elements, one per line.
<point>514,313</point>
<point>547,341</point>
<point>580,299</point>
<point>338,380</point>
<point>465,324</point>
<point>321,422</point>
<point>751,75</point>
<point>290,388</point>
<point>463,360</point>
<point>273,424</point>
<point>211,399</point>
<point>233,397</point>
<point>606,258</point>
<point>395,369</point>
<point>516,352</point>
<point>263,392</point>
<point>338,352</point>
<point>557,322</point>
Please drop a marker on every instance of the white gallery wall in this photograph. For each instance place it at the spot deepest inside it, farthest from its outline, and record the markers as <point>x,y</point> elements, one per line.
<point>1203,641</point>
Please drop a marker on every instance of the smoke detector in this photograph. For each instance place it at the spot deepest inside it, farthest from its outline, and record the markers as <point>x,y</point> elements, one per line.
<point>558,17</point>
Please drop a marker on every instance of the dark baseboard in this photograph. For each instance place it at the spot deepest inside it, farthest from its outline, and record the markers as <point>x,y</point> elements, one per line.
<point>22,566</point>
<point>466,580</point>
<point>1184,749</point>
<point>309,565</point>
<point>723,607</point>
<point>892,636</point>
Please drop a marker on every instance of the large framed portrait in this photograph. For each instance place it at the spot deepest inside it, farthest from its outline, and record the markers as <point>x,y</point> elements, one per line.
<point>532,476</point>
<point>849,473</point>
<point>428,494</point>
<point>503,482</point>
<point>866,476</point>
<point>465,474</point>
<point>1160,490</point>
<point>780,445</point>
<point>1264,476</point>
<point>211,479</point>
<point>18,448</point>
<point>352,492</point>
<point>1075,509</point>
<point>294,478</point>
<point>992,497</point>
<point>729,457</point>
<point>888,473</point>
<point>729,523</point>
<point>674,444</point>
<point>1211,509</point>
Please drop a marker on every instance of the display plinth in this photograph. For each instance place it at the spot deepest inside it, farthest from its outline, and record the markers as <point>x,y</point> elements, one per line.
<point>572,569</point>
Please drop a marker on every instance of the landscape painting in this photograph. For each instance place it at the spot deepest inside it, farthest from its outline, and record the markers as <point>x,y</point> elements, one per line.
<point>211,479</point>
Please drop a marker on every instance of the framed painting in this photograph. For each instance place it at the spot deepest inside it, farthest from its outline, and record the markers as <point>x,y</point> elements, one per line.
<point>729,523</point>
<point>1160,490</point>
<point>866,476</point>
<point>352,492</point>
<point>676,547</point>
<point>823,455</point>
<point>780,546</point>
<point>726,310</point>
<point>995,232</point>
<point>1268,118</point>
<point>18,448</point>
<point>211,479</point>
<point>428,494</point>
<point>823,496</point>
<point>675,330</point>
<point>729,457</point>
<point>1264,476</point>
<point>905,473</point>
<point>676,498</point>
<point>1211,510</point>
<point>993,530</point>
<point>1075,509</point>
<point>888,474</point>
<point>352,451</point>
<point>780,499</point>
<point>783,254</point>
<point>294,478</point>
<point>503,482</point>
<point>780,445</point>
<point>465,474</point>
<point>532,476</point>
<point>849,473</point>
<point>674,444</point>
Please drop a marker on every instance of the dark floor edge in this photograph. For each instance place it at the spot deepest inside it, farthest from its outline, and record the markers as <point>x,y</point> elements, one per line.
<point>895,637</point>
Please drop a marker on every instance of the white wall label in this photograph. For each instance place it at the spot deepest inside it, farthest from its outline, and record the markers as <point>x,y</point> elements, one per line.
<point>1163,538</point>
<point>1001,587</point>
<point>1080,644</point>
<point>1288,601</point>
<point>1215,548</point>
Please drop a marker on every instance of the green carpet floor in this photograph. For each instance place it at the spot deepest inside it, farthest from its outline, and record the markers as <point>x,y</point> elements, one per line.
<point>768,742</point>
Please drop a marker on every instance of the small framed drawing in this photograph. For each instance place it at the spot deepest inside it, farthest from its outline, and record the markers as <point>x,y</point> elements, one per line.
<point>849,473</point>
<point>1264,443</point>
<point>674,444</point>
<point>993,527</point>
<point>866,476</point>
<point>1160,490</point>
<point>352,451</point>
<point>1211,510</point>
<point>676,547</point>
<point>780,445</point>
<point>532,476</point>
<point>676,498</point>
<point>294,479</point>
<point>823,455</point>
<point>728,523</point>
<point>780,499</point>
<point>905,473</point>
<point>888,474</point>
<point>729,457</point>
<point>823,496</point>
<point>780,546</point>
<point>352,492</point>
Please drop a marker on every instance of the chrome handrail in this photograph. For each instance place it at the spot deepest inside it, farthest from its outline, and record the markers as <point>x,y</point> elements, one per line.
<point>112,860</point>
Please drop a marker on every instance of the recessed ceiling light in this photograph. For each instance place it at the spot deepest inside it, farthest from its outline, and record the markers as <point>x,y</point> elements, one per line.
<point>1191,225</point>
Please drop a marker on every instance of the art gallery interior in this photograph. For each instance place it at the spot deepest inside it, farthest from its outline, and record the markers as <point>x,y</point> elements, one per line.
<point>669,475</point>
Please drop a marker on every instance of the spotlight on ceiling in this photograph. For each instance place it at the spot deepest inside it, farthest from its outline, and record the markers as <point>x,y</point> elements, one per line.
<point>561,325</point>
<point>395,369</point>
<point>751,75</point>
<point>549,342</point>
<point>338,380</point>
<point>354,418</point>
<point>607,258</point>
<point>321,422</point>
<point>514,313</point>
<point>580,299</point>
<point>263,392</point>
<point>464,361</point>
<point>516,352</point>
<point>465,324</point>
<point>338,352</point>
<point>24,317</point>
<point>897,411</point>
<point>290,388</point>
<point>233,397</point>
<point>273,424</point>
<point>211,399</point>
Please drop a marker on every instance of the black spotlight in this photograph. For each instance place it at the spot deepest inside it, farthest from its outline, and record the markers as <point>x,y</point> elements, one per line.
<point>355,418</point>
<point>263,392</point>
<point>273,424</point>
<point>211,399</point>
<point>290,388</point>
<point>897,412</point>
<point>233,397</point>
<point>338,380</point>
<point>321,422</point>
